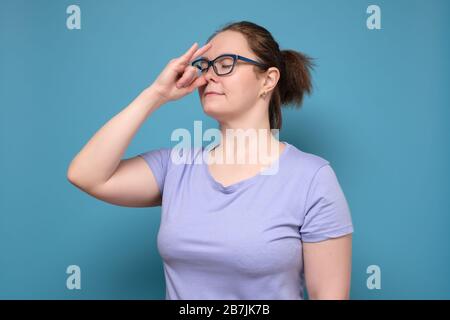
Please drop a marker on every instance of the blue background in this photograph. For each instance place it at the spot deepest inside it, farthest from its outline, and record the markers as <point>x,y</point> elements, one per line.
<point>379,113</point>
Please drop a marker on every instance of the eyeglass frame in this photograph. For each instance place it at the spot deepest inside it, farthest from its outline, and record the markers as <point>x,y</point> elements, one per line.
<point>235,57</point>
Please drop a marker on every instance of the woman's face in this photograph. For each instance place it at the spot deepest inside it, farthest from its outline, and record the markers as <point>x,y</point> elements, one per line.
<point>240,89</point>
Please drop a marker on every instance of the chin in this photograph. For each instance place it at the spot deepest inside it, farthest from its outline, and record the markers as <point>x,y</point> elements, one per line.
<point>215,110</point>
<point>211,108</point>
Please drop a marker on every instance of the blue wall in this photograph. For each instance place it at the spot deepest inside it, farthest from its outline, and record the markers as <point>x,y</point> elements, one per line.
<point>379,113</point>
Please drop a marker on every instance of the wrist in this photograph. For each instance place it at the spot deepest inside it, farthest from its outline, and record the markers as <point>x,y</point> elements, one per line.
<point>152,97</point>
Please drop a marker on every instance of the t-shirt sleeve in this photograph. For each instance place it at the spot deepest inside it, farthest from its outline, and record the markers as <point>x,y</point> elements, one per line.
<point>158,162</point>
<point>327,214</point>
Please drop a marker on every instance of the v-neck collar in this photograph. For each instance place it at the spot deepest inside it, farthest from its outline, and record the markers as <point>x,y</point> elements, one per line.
<point>237,185</point>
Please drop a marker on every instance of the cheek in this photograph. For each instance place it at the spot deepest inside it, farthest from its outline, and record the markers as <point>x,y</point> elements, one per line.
<point>242,93</point>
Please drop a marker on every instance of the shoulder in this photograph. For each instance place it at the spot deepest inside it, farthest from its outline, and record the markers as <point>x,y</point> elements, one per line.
<point>185,155</point>
<point>172,159</point>
<point>169,158</point>
<point>305,161</point>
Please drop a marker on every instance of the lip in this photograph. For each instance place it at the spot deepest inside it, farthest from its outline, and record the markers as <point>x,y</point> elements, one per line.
<point>213,94</point>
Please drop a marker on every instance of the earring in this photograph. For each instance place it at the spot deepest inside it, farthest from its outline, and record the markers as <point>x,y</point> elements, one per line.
<point>263,95</point>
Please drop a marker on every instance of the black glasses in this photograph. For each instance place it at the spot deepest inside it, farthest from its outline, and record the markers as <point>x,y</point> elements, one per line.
<point>223,64</point>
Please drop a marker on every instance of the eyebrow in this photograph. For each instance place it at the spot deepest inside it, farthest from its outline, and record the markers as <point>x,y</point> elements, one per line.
<point>203,57</point>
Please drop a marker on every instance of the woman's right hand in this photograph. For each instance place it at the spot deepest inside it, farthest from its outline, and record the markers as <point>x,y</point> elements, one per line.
<point>179,78</point>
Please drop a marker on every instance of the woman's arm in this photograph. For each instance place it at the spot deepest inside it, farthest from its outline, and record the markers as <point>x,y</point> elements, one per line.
<point>328,268</point>
<point>99,170</point>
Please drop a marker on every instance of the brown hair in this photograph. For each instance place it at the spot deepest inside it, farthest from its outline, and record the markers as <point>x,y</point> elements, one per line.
<point>294,67</point>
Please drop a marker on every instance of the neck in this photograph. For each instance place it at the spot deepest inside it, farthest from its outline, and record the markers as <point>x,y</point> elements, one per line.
<point>252,142</point>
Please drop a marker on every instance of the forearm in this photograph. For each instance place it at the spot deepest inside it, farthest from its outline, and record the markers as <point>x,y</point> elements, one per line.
<point>100,157</point>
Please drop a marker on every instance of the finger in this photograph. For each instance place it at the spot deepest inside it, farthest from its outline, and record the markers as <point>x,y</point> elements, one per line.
<point>191,54</point>
<point>185,57</point>
<point>186,79</point>
<point>201,51</point>
<point>200,81</point>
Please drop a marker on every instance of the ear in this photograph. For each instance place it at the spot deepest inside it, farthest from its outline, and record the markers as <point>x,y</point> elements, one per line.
<point>271,78</point>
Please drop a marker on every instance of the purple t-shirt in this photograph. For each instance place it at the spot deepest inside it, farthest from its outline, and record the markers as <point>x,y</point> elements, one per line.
<point>244,241</point>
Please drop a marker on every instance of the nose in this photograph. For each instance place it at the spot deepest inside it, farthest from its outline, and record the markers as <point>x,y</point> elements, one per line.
<point>211,75</point>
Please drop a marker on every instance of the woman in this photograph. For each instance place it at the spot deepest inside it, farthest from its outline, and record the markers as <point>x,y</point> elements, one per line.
<point>230,231</point>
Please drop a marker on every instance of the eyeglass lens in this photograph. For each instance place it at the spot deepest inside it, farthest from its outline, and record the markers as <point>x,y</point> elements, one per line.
<point>222,65</point>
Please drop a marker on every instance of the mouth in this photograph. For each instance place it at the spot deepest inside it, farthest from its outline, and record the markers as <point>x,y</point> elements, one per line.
<point>211,94</point>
